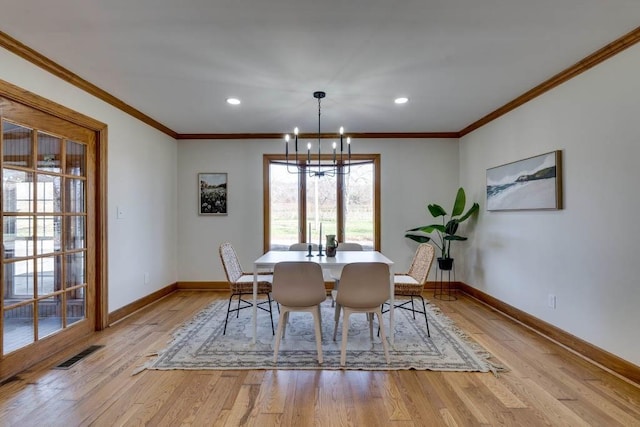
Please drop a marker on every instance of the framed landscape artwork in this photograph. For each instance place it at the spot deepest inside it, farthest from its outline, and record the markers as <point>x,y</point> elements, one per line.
<point>212,193</point>
<point>533,183</point>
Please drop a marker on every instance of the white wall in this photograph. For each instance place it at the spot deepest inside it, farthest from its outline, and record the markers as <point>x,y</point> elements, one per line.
<point>586,253</point>
<point>142,172</point>
<point>414,172</point>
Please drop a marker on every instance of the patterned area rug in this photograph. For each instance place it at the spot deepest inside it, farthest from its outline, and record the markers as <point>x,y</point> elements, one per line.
<point>199,343</point>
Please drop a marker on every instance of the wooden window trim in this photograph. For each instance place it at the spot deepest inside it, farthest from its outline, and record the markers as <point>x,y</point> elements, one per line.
<point>267,159</point>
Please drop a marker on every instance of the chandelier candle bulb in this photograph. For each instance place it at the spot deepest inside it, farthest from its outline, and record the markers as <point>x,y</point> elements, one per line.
<point>286,145</point>
<point>334,151</point>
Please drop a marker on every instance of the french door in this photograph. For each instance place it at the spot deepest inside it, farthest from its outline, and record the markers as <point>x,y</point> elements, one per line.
<point>48,233</point>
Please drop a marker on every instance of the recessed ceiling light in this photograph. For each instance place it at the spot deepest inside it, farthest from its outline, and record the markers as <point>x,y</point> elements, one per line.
<point>401,100</point>
<point>233,101</point>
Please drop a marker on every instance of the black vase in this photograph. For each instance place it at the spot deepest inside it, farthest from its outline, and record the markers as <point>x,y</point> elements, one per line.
<point>445,264</point>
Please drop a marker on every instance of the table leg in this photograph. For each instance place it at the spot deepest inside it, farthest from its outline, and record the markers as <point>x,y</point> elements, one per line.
<point>392,292</point>
<point>255,303</point>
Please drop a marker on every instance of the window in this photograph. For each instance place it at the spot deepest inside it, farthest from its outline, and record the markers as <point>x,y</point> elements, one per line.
<point>345,205</point>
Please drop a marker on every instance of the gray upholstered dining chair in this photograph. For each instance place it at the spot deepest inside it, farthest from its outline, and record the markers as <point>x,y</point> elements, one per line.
<point>364,286</point>
<point>335,274</point>
<point>349,246</point>
<point>241,283</point>
<point>303,247</point>
<point>411,284</point>
<point>298,286</point>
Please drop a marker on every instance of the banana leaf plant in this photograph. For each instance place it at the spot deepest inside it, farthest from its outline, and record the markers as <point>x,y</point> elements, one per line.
<point>445,232</point>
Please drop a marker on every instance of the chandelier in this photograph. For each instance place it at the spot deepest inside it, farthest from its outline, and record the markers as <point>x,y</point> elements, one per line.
<point>332,165</point>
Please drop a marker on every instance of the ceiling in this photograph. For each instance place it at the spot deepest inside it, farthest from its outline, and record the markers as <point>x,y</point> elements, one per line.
<point>178,61</point>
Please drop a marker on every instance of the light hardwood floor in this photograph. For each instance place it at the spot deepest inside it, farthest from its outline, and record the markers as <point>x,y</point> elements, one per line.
<point>546,384</point>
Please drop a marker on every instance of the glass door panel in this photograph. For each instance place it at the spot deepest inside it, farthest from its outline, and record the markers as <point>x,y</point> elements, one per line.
<point>18,236</point>
<point>76,305</point>
<point>19,281</point>
<point>49,315</point>
<point>49,153</point>
<point>74,192</point>
<point>75,270</point>
<point>48,193</point>
<point>49,275</point>
<point>76,159</point>
<point>17,147</point>
<point>17,191</point>
<point>18,328</point>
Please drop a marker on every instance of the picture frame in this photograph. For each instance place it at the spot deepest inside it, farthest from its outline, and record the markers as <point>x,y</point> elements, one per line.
<point>534,183</point>
<point>212,193</point>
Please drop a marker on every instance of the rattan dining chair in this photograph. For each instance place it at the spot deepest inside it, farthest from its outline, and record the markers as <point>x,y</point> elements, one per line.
<point>241,283</point>
<point>364,286</point>
<point>411,284</point>
<point>298,286</point>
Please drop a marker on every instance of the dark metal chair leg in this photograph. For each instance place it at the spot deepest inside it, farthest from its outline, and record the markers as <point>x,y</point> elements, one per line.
<point>413,308</point>
<point>224,331</point>
<point>424,310</point>
<point>273,331</point>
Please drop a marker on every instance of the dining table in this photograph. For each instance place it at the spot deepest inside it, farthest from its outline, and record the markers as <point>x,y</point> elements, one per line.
<point>334,264</point>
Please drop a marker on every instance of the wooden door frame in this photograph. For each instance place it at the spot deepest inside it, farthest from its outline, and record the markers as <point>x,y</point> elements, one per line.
<point>14,93</point>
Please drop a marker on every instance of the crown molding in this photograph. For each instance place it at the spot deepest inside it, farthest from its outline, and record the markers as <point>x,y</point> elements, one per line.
<point>25,52</point>
<point>359,135</point>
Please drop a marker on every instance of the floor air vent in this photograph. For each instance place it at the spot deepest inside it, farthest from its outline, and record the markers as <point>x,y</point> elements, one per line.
<point>78,357</point>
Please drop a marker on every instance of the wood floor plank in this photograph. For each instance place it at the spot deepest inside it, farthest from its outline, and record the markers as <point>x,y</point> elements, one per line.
<point>335,399</point>
<point>501,391</point>
<point>545,384</point>
<point>392,396</point>
<point>419,400</point>
<point>213,406</point>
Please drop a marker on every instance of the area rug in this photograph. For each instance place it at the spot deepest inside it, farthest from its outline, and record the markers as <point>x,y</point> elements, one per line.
<point>200,344</point>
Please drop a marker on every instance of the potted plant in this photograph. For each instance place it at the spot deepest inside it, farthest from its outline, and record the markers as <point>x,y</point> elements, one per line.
<point>445,232</point>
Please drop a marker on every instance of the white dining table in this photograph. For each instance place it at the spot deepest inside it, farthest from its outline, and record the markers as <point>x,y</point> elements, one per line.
<point>342,258</point>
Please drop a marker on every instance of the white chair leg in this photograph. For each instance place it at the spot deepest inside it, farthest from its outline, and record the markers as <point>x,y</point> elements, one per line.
<point>316,319</point>
<point>345,332</point>
<point>382,336</point>
<point>320,317</point>
<point>279,333</point>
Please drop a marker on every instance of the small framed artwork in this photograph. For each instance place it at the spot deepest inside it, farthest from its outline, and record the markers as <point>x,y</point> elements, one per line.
<point>533,183</point>
<point>212,193</point>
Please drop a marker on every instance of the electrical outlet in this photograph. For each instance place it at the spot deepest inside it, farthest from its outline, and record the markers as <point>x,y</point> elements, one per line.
<point>551,301</point>
<point>119,212</point>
